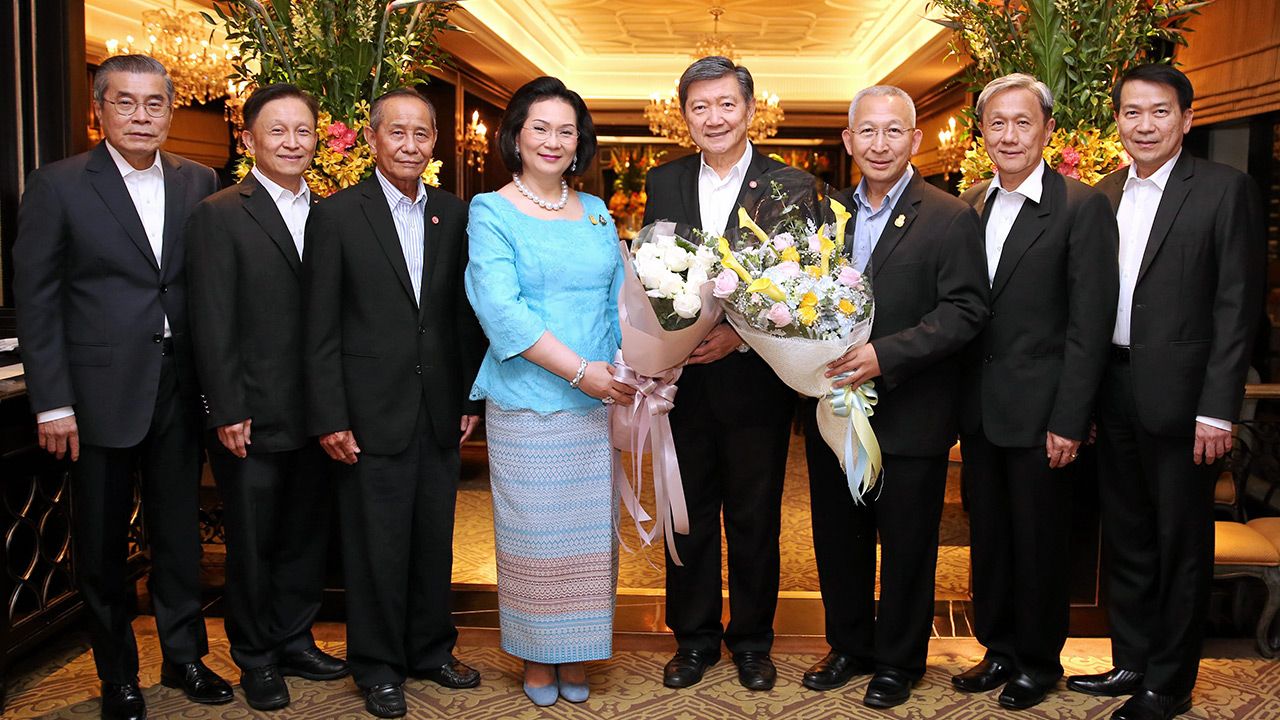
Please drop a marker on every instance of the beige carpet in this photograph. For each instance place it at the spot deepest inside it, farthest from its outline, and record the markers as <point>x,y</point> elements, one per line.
<point>1234,684</point>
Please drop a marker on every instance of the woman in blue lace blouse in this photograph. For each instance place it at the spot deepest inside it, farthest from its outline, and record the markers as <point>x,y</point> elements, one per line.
<point>544,275</point>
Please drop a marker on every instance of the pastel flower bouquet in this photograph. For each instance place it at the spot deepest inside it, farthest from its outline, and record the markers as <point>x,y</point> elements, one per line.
<point>790,293</point>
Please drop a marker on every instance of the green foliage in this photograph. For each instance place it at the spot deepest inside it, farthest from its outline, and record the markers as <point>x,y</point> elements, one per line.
<point>1076,47</point>
<point>340,51</point>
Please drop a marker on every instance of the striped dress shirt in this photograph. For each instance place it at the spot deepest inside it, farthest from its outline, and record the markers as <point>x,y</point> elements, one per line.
<point>408,216</point>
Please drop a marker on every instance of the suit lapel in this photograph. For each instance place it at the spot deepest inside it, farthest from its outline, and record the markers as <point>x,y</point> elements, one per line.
<point>262,208</point>
<point>1171,200</point>
<point>1030,224</point>
<point>106,180</point>
<point>175,204</point>
<point>689,191</point>
<point>433,225</point>
<point>893,232</point>
<point>384,231</point>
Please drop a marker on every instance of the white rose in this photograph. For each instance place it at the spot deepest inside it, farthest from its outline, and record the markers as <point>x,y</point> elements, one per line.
<point>648,251</point>
<point>695,277</point>
<point>662,242</point>
<point>687,305</point>
<point>651,271</point>
<point>705,259</point>
<point>671,285</point>
<point>676,258</point>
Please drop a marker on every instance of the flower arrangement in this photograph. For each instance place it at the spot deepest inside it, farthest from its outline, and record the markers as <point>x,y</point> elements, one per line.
<point>673,270</point>
<point>344,53</point>
<point>630,166</point>
<point>1076,47</point>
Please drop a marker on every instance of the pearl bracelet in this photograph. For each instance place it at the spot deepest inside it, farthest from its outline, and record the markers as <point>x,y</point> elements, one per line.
<point>577,379</point>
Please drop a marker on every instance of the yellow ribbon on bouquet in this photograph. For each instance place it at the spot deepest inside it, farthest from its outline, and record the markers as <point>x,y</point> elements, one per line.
<point>858,404</point>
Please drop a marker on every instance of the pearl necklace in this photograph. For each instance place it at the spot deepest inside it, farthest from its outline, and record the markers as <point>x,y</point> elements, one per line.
<point>544,204</point>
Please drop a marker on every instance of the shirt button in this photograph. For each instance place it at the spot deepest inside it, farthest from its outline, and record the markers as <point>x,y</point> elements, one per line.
<point>989,358</point>
<point>164,289</point>
<point>157,338</point>
<point>422,331</point>
<point>417,369</point>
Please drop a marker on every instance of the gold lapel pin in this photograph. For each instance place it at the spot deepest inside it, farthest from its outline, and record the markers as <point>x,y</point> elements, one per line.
<point>594,221</point>
<point>900,221</point>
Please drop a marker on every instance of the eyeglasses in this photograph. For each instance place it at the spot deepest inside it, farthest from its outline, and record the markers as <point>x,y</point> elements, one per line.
<point>127,107</point>
<point>892,134</point>
<point>541,133</point>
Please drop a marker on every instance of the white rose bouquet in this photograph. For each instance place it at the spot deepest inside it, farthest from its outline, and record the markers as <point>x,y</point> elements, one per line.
<point>673,270</point>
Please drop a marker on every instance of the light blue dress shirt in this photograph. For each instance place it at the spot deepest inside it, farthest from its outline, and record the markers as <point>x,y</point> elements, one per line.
<point>868,225</point>
<point>527,276</point>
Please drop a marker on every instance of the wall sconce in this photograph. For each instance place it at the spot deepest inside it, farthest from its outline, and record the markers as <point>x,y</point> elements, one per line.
<point>952,143</point>
<point>474,142</point>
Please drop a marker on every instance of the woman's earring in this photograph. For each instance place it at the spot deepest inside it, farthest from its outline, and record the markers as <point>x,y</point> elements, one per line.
<point>517,153</point>
<point>573,167</point>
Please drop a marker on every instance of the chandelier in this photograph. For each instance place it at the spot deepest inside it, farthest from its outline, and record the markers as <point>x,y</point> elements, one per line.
<point>663,111</point>
<point>181,41</point>
<point>952,143</point>
<point>474,142</point>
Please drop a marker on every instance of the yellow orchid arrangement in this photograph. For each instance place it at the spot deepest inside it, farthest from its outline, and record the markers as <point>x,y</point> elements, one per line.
<point>1086,155</point>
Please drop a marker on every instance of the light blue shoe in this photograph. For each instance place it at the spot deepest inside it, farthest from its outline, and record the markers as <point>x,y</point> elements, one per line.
<point>544,696</point>
<point>573,692</point>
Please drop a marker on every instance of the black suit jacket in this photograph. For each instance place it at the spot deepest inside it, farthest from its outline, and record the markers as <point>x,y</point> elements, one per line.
<point>1198,295</point>
<point>736,388</point>
<point>928,283</point>
<point>371,356</point>
<point>245,279</point>
<point>1037,364</point>
<point>91,298</point>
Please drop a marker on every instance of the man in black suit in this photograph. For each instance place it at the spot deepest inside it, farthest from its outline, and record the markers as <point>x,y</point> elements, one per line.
<point>102,320</point>
<point>390,348</point>
<point>732,422</point>
<point>1192,255</point>
<point>244,266</point>
<point>923,251</point>
<point>1029,382</point>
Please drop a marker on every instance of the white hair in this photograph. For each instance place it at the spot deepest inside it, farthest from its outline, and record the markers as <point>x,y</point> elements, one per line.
<point>883,91</point>
<point>1044,96</point>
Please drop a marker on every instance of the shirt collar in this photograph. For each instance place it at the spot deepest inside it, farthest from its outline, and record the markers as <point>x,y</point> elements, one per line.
<point>1031,188</point>
<point>890,200</point>
<point>278,192</point>
<point>125,168</point>
<point>394,196</point>
<point>739,168</point>
<point>1159,178</point>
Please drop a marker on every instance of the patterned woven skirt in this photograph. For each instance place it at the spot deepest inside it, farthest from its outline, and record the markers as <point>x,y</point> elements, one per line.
<point>554,514</point>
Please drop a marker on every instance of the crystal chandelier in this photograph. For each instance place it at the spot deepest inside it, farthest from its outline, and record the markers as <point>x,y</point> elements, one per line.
<point>181,41</point>
<point>663,111</point>
<point>952,143</point>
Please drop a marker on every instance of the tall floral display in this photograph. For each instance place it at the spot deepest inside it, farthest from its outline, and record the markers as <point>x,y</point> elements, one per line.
<point>345,53</point>
<point>1076,47</point>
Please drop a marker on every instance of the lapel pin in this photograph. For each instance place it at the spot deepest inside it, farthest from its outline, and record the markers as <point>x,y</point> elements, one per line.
<point>603,220</point>
<point>594,220</point>
<point>435,220</point>
<point>900,221</point>
<point>752,184</point>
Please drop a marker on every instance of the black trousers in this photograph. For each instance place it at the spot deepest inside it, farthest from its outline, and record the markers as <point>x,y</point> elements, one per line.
<point>738,468</point>
<point>397,549</point>
<point>275,512</point>
<point>905,509</point>
<point>1157,541</point>
<point>168,460</point>
<point>1020,531</point>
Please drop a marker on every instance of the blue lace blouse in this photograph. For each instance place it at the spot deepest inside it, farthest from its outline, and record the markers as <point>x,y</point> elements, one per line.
<point>527,276</point>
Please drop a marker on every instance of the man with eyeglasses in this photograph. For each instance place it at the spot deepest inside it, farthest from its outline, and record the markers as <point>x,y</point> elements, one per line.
<point>102,321</point>
<point>922,249</point>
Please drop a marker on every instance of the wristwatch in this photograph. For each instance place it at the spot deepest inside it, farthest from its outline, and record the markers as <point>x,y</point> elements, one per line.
<point>744,348</point>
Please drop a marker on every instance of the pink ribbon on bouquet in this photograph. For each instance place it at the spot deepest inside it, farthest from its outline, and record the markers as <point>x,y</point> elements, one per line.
<point>644,422</point>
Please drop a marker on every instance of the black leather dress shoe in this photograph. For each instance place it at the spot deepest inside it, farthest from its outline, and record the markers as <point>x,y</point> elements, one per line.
<point>888,688</point>
<point>834,671</point>
<point>755,669</point>
<point>986,675</point>
<point>1147,705</point>
<point>197,681</point>
<point>384,701</point>
<point>1022,692</point>
<point>687,666</point>
<point>313,664</point>
<point>123,702</point>
<point>1109,684</point>
<point>264,688</point>
<point>453,674</point>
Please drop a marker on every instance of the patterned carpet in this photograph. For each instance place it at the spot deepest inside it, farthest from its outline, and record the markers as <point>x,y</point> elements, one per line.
<point>1234,684</point>
<point>644,567</point>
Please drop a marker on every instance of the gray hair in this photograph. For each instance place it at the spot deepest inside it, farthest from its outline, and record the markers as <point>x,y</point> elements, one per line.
<point>714,68</point>
<point>133,64</point>
<point>1014,81</point>
<point>376,110</point>
<point>883,91</point>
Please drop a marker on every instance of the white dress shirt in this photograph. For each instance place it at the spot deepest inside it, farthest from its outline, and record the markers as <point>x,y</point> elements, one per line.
<point>408,216</point>
<point>718,195</point>
<point>1005,207</point>
<point>293,207</point>
<point>146,189</point>
<point>1135,216</point>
